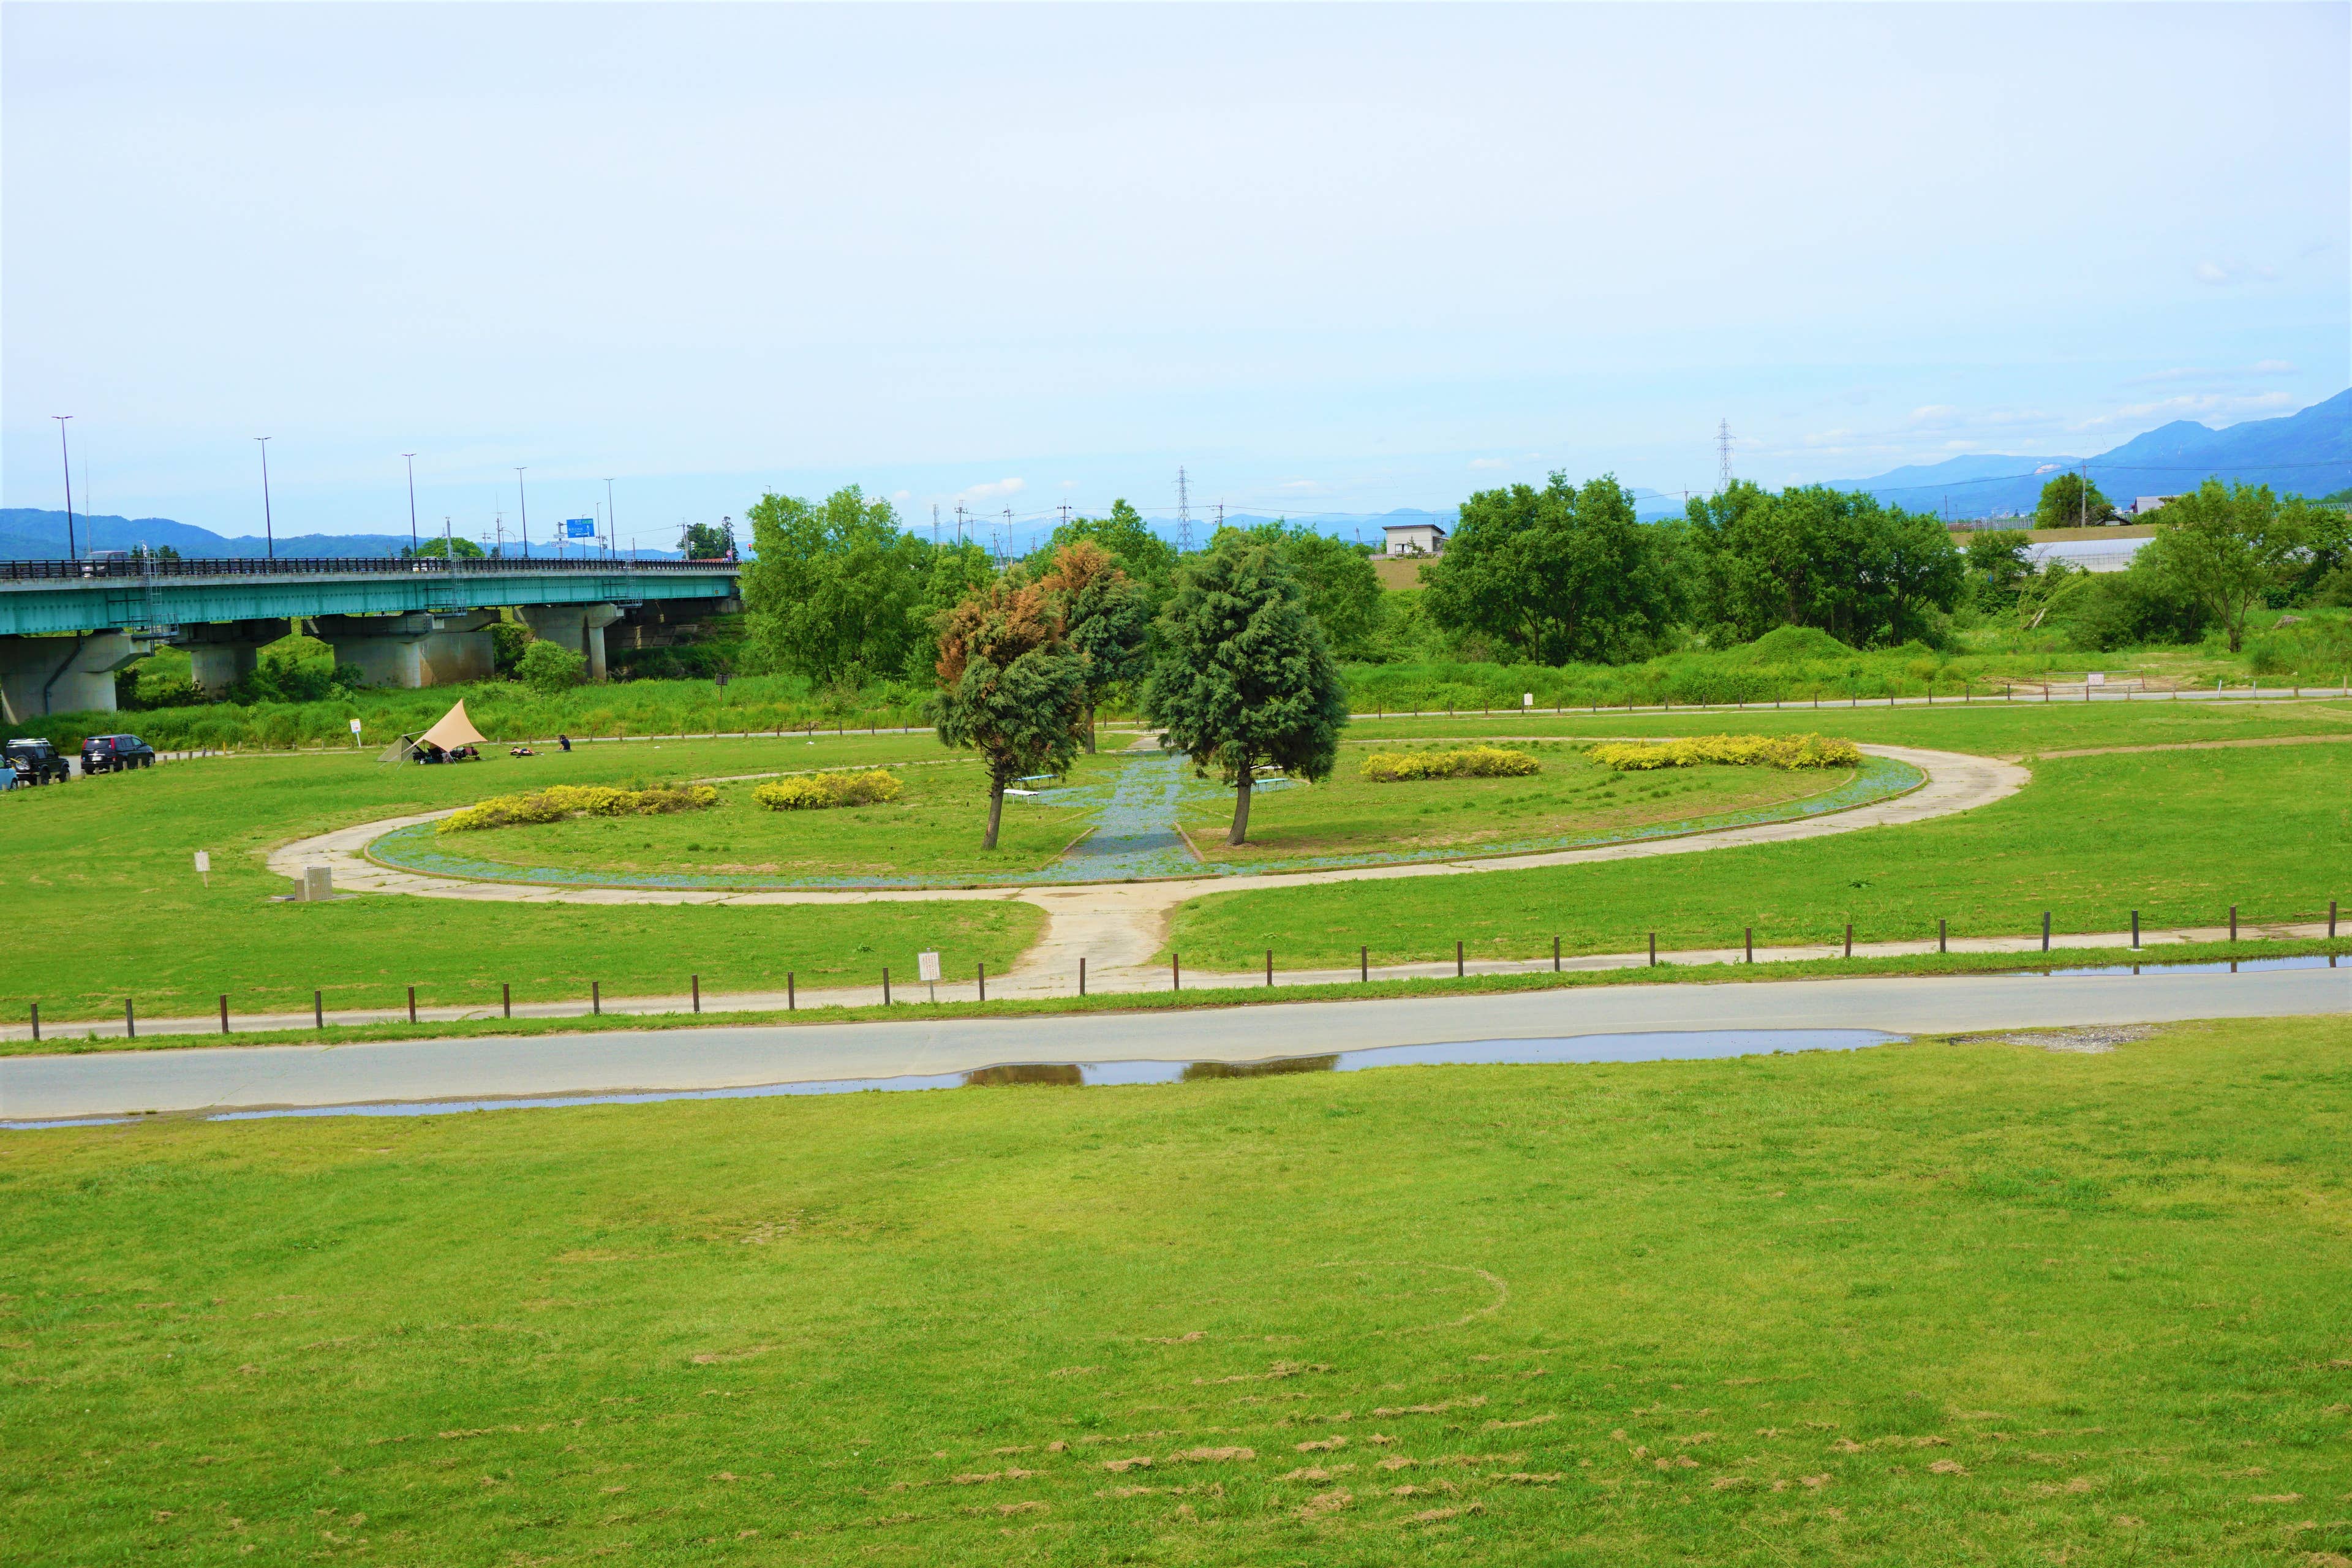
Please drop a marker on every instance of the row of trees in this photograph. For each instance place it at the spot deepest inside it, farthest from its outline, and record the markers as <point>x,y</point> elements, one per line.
<point>1238,675</point>
<point>1567,573</point>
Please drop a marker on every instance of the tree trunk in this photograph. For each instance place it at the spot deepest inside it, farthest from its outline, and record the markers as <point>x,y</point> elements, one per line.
<point>995,812</point>
<point>1090,729</point>
<point>1240,833</point>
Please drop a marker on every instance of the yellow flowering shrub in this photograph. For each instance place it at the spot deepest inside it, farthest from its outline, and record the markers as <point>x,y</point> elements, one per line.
<point>814,791</point>
<point>1735,751</point>
<point>558,802</point>
<point>1462,762</point>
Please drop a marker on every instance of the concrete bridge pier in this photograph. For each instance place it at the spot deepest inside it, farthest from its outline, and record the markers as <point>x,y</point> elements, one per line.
<point>222,653</point>
<point>579,627</point>
<point>40,675</point>
<point>418,648</point>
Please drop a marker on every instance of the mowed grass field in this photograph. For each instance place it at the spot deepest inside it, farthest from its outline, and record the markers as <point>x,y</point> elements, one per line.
<point>933,829</point>
<point>99,881</point>
<point>1934,1302</point>
<point>1348,814</point>
<point>2180,835</point>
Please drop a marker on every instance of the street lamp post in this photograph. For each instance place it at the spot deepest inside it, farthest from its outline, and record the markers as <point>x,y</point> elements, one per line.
<point>611,526</point>
<point>525,513</point>
<point>67,456</point>
<point>412,546</point>
<point>269,528</point>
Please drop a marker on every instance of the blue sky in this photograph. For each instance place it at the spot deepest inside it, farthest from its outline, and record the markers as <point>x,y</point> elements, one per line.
<point>1327,258</point>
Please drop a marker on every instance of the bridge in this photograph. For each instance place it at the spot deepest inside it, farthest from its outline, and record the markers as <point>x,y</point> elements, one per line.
<point>66,626</point>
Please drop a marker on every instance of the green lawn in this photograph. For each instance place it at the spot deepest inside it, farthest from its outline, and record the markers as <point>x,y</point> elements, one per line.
<point>2179,836</point>
<point>1942,1302</point>
<point>1350,814</point>
<point>98,884</point>
<point>933,829</point>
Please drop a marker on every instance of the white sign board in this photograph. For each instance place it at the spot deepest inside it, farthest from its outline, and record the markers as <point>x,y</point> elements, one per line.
<point>1527,698</point>
<point>927,966</point>
<point>203,860</point>
<point>2097,677</point>
<point>355,726</point>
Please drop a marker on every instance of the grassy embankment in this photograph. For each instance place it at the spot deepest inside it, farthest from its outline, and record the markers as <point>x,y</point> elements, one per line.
<point>1945,1301</point>
<point>98,881</point>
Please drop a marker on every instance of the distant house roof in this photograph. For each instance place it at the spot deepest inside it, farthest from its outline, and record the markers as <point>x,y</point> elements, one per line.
<point>1415,538</point>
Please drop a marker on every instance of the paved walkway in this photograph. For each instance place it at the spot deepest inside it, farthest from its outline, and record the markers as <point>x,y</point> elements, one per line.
<point>41,1087</point>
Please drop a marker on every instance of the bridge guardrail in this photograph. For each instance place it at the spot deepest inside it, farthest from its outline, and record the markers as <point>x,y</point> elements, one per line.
<point>328,565</point>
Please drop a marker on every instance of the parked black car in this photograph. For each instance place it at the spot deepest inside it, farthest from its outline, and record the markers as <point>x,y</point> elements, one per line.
<point>37,763</point>
<point>113,754</point>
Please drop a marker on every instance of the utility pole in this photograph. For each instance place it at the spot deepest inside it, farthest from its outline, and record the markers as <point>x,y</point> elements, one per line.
<point>958,523</point>
<point>524,514</point>
<point>1008,535</point>
<point>935,525</point>
<point>1066,514</point>
<point>2082,498</point>
<point>62,452</point>
<point>1723,450</point>
<point>268,529</point>
<point>612,529</point>
<point>1183,515</point>
<point>412,546</point>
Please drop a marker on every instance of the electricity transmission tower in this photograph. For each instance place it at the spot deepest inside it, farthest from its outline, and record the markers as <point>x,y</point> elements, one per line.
<point>1183,516</point>
<point>1722,451</point>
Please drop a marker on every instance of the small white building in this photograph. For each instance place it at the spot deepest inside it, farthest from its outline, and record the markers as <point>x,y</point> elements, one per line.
<point>2147,504</point>
<point>1413,539</point>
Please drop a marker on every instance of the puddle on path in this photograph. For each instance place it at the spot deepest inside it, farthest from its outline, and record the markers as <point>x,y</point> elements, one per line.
<point>1696,1046</point>
<point>2227,966</point>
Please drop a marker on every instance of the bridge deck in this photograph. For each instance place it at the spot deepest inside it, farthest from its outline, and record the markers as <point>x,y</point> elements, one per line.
<point>44,597</point>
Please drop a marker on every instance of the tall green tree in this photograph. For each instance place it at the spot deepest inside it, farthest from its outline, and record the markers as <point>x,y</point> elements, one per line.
<point>951,572</point>
<point>1998,566</point>
<point>1343,592</point>
<point>1816,556</point>
<point>1010,688</point>
<point>2229,548</point>
<point>1148,561</point>
<point>831,587</point>
<point>1243,677</point>
<point>2070,500</point>
<point>1555,575</point>
<point>1106,618</point>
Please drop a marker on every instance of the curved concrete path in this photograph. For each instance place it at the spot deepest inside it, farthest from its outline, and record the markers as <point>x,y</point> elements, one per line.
<point>1117,926</point>
<point>35,1089</point>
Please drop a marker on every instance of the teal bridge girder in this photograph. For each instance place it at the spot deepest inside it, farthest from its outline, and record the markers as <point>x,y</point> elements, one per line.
<point>39,598</point>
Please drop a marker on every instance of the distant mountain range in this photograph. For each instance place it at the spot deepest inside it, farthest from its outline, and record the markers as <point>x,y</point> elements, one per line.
<point>28,534</point>
<point>2309,453</point>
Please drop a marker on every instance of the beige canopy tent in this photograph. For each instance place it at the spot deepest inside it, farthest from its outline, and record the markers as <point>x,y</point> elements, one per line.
<point>454,729</point>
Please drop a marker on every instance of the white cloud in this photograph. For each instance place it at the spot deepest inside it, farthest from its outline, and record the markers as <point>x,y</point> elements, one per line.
<point>1488,463</point>
<point>1301,487</point>
<point>995,490</point>
<point>2210,272</point>
<point>902,495</point>
<point>1937,413</point>
<point>2270,367</point>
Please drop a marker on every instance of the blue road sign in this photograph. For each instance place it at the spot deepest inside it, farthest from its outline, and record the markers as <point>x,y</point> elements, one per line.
<point>579,528</point>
